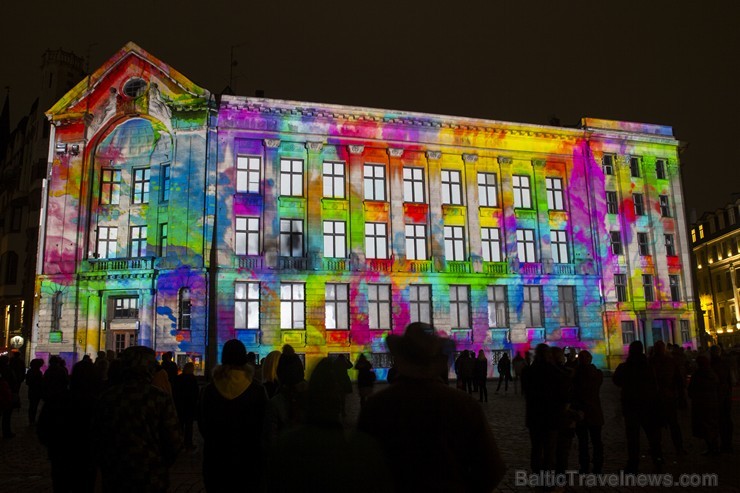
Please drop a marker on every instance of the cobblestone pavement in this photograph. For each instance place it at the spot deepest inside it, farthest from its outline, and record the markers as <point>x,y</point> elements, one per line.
<point>24,467</point>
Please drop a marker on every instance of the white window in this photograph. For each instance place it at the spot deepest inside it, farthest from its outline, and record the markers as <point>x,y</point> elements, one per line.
<point>420,303</point>
<point>376,240</point>
<point>647,284</point>
<point>675,288</point>
<point>291,237</point>
<point>413,185</point>
<point>334,179</point>
<point>416,242</point>
<point>620,285</point>
<point>107,241</point>
<point>612,206</point>
<point>247,305</point>
<point>491,243</point>
<point>525,245</point>
<point>460,307</point>
<point>498,307</point>
<point>487,190</point>
<point>554,188</point>
<point>451,187</point>
<point>335,239</point>
<point>248,174</point>
<point>532,306</point>
<point>247,235</point>
<point>110,187</point>
<point>567,302</point>
<point>454,243</point>
<point>559,246</point>
<point>522,192</point>
<point>185,309</point>
<point>126,307</point>
<point>291,177</point>
<point>379,306</point>
<point>138,241</point>
<point>292,306</point>
<point>337,306</point>
<point>142,181</point>
<point>374,182</point>
<point>660,169</point>
<point>607,162</point>
<point>628,332</point>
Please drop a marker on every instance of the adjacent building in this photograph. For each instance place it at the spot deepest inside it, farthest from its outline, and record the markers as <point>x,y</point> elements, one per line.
<point>180,220</point>
<point>715,239</point>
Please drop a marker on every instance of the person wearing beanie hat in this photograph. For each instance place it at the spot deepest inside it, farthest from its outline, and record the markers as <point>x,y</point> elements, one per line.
<point>424,425</point>
<point>231,420</point>
<point>135,430</point>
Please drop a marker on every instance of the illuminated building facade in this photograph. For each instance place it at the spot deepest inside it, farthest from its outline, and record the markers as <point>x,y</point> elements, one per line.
<point>327,227</point>
<point>715,239</point>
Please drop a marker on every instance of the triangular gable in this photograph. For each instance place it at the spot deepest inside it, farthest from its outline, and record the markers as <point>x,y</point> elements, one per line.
<point>174,87</point>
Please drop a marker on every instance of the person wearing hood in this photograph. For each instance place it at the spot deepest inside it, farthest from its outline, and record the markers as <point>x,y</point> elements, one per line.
<point>231,420</point>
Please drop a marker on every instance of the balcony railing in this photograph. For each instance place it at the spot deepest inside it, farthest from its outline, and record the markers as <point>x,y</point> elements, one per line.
<point>495,268</point>
<point>251,263</point>
<point>106,264</point>
<point>419,265</point>
<point>292,263</point>
<point>458,267</point>
<point>530,268</point>
<point>564,269</point>
<point>379,264</point>
<point>335,264</point>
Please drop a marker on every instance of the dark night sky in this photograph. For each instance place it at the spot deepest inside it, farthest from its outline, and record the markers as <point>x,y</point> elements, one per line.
<point>654,61</point>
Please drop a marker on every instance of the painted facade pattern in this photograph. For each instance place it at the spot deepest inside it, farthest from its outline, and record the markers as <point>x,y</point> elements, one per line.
<point>186,221</point>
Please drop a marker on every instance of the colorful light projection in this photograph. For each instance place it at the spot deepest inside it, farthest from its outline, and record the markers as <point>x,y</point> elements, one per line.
<point>195,198</point>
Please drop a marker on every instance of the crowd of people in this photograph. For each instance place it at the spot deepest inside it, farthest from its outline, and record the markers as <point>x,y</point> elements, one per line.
<point>125,418</point>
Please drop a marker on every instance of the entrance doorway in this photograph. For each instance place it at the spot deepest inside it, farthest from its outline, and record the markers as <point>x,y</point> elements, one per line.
<point>662,330</point>
<point>123,339</point>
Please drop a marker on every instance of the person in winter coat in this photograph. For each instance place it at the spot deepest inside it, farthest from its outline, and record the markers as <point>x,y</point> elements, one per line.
<point>231,420</point>
<point>586,401</point>
<point>518,364</point>
<point>481,375</point>
<point>269,373</point>
<point>186,401</point>
<point>35,383</point>
<point>504,372</point>
<point>639,396</point>
<point>365,378</point>
<point>340,366</point>
<point>704,394</point>
<point>670,384</point>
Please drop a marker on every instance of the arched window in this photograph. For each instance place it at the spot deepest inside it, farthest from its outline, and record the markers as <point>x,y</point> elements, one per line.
<point>184,303</point>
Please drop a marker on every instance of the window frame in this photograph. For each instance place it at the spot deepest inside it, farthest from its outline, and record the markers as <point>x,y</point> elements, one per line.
<point>620,287</point>
<point>489,245</point>
<point>339,301</point>
<point>247,304</point>
<point>526,245</point>
<point>612,202</point>
<point>567,306</point>
<point>665,206</point>
<point>375,239</point>
<point>487,191</point>
<point>648,287</point>
<point>163,239</point>
<point>414,185</point>
<point>522,200</point>
<point>337,241</point>
<point>374,184</point>
<point>379,309</point>
<point>454,243</point>
<point>248,177</point>
<point>296,303</point>
<point>460,307</point>
<point>635,166</point>
<point>670,245</point>
<point>451,186</point>
<point>137,241</point>
<point>498,306</point>
<point>291,180</point>
<point>616,235</point>
<point>166,181</point>
<point>417,303</point>
<point>331,180</point>
<point>660,171</point>
<point>141,186</point>
<point>416,242</point>
<point>674,282</point>
<point>110,186</point>
<point>184,305</point>
<point>555,195</point>
<point>291,239</point>
<point>532,308</point>
<point>125,307</point>
<point>247,235</point>
<point>628,336</point>
<point>639,204</point>
<point>110,242</point>
<point>607,164</point>
<point>643,243</point>
<point>559,246</point>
